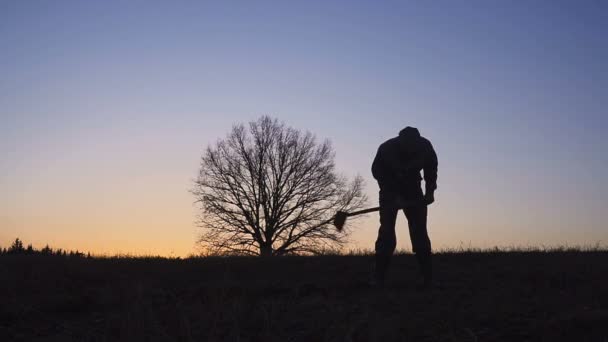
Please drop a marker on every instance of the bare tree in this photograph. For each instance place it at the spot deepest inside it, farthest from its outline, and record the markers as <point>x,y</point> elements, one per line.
<point>269,190</point>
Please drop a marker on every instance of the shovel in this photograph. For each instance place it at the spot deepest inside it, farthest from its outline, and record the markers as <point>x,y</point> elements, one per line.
<point>341,216</point>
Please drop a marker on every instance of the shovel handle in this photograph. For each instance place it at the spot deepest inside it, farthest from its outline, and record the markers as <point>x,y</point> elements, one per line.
<point>371,210</point>
<point>363,211</point>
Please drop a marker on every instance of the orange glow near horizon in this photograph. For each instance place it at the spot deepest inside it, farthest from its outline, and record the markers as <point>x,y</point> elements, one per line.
<point>157,228</point>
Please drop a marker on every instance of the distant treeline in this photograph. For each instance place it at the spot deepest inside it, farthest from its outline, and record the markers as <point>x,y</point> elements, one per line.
<point>17,247</point>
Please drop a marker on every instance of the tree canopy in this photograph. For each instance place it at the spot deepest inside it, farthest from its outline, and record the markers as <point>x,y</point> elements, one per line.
<point>268,189</point>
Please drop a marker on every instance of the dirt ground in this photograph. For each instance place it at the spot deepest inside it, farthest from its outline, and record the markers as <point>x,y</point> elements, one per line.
<point>483,296</point>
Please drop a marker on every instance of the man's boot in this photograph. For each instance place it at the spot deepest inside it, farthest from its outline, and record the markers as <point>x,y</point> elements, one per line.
<point>426,270</point>
<point>379,272</point>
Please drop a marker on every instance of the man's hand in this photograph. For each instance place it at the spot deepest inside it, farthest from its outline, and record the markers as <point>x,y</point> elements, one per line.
<point>429,198</point>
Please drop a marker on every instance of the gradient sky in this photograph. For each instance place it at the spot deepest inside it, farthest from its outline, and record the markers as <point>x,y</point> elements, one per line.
<point>106,107</point>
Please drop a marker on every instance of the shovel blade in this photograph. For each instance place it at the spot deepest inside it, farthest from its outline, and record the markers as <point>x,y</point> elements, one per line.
<point>340,220</point>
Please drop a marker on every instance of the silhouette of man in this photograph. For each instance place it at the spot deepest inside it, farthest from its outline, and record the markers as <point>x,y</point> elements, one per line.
<point>397,167</point>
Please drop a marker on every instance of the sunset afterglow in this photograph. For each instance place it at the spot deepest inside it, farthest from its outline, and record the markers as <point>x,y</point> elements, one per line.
<point>106,108</point>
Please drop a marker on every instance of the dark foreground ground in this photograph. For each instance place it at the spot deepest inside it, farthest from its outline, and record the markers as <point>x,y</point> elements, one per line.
<point>534,296</point>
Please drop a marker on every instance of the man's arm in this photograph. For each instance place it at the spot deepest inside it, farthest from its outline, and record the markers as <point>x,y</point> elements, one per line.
<point>430,171</point>
<point>378,168</point>
<point>382,170</point>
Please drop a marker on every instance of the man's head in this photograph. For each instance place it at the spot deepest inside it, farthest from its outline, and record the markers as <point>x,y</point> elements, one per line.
<point>409,136</point>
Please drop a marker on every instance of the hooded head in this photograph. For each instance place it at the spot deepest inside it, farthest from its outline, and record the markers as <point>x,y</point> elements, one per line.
<point>409,138</point>
<point>409,134</point>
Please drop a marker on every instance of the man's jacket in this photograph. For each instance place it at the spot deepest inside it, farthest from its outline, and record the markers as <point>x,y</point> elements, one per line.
<point>398,164</point>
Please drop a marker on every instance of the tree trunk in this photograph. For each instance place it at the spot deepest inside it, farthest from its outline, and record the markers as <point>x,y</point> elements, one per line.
<point>265,250</point>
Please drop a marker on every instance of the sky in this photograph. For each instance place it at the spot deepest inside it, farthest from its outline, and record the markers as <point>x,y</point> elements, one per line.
<point>107,106</point>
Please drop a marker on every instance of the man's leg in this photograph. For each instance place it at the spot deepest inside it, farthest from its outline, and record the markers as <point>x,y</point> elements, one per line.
<point>387,240</point>
<point>421,244</point>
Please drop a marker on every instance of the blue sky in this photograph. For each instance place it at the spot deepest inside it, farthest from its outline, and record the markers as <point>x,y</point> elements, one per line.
<point>105,108</point>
